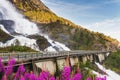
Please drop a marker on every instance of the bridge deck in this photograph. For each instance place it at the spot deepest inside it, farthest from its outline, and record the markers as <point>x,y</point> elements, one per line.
<point>25,56</point>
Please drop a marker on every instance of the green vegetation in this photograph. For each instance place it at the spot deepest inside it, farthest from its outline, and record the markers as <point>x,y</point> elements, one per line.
<point>113,61</point>
<point>4,36</point>
<point>16,49</point>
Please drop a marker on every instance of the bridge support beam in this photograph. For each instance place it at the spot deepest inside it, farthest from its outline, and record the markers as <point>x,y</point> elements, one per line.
<point>101,57</point>
<point>49,64</point>
<point>74,60</point>
<point>60,63</point>
<point>84,58</point>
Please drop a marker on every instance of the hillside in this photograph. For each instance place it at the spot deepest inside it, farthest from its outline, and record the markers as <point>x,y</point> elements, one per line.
<point>62,30</point>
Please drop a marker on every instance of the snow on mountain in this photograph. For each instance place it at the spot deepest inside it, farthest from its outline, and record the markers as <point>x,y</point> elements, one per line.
<point>24,27</point>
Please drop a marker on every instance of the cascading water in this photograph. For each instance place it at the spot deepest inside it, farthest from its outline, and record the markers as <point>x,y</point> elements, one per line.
<point>110,75</point>
<point>13,22</point>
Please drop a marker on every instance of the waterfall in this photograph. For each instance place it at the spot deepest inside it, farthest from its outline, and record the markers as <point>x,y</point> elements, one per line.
<point>14,22</point>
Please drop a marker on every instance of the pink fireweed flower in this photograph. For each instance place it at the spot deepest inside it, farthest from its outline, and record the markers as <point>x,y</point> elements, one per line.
<point>66,73</point>
<point>77,76</point>
<point>9,67</point>
<point>26,76</point>
<point>101,78</point>
<point>20,71</point>
<point>8,70</point>
<point>32,76</point>
<point>12,61</point>
<point>4,77</point>
<point>22,77</point>
<point>52,78</point>
<point>43,75</point>
<point>89,78</point>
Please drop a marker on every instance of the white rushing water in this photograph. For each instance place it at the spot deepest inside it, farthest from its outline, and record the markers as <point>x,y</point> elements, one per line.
<point>23,27</point>
<point>111,75</point>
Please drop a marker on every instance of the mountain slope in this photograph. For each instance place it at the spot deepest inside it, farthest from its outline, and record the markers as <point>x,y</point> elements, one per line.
<point>24,32</point>
<point>62,30</point>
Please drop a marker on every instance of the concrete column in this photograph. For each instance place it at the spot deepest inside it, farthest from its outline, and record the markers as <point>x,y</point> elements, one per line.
<point>50,65</point>
<point>95,58</point>
<point>74,60</point>
<point>91,58</point>
<point>61,63</point>
<point>84,58</point>
<point>101,57</point>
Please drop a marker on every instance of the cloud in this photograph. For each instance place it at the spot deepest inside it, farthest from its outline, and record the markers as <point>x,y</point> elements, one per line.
<point>109,27</point>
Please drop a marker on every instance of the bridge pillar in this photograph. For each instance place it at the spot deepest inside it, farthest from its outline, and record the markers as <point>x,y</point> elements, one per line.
<point>74,60</point>
<point>60,63</point>
<point>35,68</point>
<point>50,65</point>
<point>90,58</point>
<point>101,57</point>
<point>80,58</point>
<point>95,58</point>
<point>84,58</point>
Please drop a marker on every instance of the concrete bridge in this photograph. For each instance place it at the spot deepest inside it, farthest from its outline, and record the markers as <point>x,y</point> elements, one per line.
<point>55,60</point>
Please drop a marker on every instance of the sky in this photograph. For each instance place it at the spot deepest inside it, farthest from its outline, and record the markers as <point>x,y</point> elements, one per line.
<point>96,15</point>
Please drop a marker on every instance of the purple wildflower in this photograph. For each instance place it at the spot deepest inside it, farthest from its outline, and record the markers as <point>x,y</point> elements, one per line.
<point>20,71</point>
<point>66,73</point>
<point>22,77</point>
<point>26,76</point>
<point>77,76</point>
<point>89,78</point>
<point>9,67</point>
<point>32,76</point>
<point>52,78</point>
<point>4,77</point>
<point>99,78</point>
<point>43,75</point>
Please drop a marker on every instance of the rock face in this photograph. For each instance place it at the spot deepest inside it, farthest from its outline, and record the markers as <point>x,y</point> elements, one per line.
<point>4,36</point>
<point>1,16</point>
<point>8,24</point>
<point>62,30</point>
<point>42,42</point>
